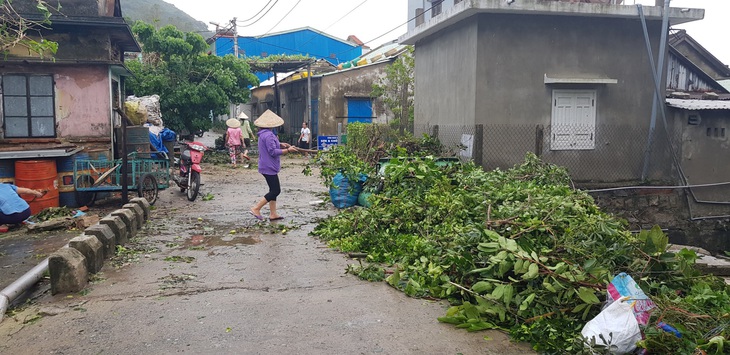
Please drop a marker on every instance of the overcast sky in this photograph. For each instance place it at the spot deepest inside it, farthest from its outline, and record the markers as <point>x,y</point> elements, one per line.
<point>379,21</point>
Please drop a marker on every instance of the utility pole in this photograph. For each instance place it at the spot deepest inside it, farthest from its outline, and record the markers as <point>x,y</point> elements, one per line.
<point>235,37</point>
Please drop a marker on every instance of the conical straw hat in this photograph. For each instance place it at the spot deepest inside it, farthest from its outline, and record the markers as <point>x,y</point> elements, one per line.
<point>269,120</point>
<point>242,116</point>
<point>233,123</point>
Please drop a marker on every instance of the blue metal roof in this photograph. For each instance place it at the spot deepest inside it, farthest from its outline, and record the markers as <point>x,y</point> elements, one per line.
<point>304,41</point>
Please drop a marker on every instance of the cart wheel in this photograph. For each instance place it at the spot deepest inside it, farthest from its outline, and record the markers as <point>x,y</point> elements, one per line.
<point>148,188</point>
<point>85,198</point>
<point>194,186</point>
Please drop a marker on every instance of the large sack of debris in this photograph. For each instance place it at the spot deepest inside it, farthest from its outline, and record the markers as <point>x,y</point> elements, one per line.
<point>145,109</point>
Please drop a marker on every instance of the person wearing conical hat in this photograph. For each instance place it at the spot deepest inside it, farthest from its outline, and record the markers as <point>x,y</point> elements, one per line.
<point>233,141</point>
<point>246,133</point>
<point>270,151</point>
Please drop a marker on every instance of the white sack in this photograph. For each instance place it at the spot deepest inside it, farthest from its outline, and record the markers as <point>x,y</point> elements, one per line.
<point>618,326</point>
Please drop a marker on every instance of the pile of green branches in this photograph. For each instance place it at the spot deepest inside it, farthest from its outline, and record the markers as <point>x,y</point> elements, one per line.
<point>522,251</point>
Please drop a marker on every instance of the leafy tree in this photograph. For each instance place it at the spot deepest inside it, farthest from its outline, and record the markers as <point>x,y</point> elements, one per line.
<point>396,89</point>
<point>14,29</point>
<point>190,83</point>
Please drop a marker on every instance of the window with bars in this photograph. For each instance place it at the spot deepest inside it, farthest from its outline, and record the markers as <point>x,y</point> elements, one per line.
<point>28,106</point>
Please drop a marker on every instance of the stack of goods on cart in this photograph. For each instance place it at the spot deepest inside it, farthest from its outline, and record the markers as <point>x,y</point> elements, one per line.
<point>145,111</point>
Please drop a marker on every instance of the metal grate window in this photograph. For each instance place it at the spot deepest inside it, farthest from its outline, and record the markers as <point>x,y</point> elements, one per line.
<point>28,106</point>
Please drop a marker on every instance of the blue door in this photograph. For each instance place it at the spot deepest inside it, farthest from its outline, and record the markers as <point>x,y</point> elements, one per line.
<point>359,110</point>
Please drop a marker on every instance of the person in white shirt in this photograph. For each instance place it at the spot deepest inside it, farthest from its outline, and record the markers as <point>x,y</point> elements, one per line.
<point>304,136</point>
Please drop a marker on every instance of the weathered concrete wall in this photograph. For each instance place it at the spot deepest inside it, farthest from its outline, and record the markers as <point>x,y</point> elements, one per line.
<point>83,102</point>
<point>495,65</point>
<point>82,99</point>
<point>703,150</point>
<point>259,98</point>
<point>705,145</point>
<point>445,72</point>
<point>572,47</point>
<point>293,96</point>
<point>337,87</point>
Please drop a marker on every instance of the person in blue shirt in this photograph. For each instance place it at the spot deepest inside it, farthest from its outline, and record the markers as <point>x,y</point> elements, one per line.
<point>13,209</point>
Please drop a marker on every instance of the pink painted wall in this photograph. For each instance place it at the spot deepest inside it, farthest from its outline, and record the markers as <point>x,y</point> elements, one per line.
<point>82,102</point>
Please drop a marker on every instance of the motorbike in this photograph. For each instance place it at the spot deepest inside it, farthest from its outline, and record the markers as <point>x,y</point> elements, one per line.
<point>188,178</point>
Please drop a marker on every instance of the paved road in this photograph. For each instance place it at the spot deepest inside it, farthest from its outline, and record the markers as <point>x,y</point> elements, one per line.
<point>211,279</point>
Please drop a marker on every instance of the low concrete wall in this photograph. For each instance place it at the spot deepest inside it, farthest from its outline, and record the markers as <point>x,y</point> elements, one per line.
<point>685,221</point>
<point>71,265</point>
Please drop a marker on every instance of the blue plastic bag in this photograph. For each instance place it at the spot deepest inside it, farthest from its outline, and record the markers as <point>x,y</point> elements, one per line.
<point>168,135</point>
<point>343,193</point>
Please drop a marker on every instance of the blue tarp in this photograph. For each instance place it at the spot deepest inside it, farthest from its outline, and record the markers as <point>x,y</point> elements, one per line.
<point>168,135</point>
<point>156,143</point>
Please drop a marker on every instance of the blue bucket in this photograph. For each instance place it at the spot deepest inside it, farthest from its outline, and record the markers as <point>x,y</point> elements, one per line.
<point>7,171</point>
<point>66,186</point>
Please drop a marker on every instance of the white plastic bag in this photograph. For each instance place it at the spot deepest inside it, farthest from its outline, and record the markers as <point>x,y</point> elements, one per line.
<point>618,326</point>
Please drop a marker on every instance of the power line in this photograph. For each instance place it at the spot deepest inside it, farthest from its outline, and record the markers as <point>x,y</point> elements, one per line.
<point>345,15</point>
<point>262,9</point>
<point>333,23</point>
<point>337,54</point>
<point>395,28</point>
<point>282,19</point>
<point>262,16</point>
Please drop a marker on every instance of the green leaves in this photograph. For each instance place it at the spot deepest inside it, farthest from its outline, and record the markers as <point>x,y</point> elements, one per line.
<point>655,241</point>
<point>191,84</point>
<point>517,250</point>
<point>588,296</point>
<point>532,272</point>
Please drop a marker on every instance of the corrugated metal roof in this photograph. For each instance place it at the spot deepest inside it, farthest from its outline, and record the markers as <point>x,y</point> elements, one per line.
<point>699,104</point>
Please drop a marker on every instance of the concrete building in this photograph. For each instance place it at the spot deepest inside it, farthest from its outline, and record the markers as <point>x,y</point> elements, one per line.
<point>339,95</point>
<point>57,107</point>
<point>571,81</point>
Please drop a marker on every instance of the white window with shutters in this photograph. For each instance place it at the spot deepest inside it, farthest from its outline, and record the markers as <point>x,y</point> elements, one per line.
<point>573,125</point>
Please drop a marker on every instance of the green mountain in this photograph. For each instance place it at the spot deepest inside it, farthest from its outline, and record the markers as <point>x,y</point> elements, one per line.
<point>160,13</point>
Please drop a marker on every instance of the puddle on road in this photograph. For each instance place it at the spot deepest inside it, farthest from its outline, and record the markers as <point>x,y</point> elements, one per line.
<point>208,241</point>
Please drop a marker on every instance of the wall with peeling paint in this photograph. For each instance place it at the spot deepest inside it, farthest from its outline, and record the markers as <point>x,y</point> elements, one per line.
<point>337,86</point>
<point>83,102</point>
<point>330,92</point>
<point>82,99</point>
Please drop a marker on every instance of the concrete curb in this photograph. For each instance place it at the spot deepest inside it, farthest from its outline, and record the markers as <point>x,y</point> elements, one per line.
<point>92,250</point>
<point>67,267</point>
<point>70,266</point>
<point>138,213</point>
<point>142,202</point>
<point>129,219</point>
<point>118,227</point>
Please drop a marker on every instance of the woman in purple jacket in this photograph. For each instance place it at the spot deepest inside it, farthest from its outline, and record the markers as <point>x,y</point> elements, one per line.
<point>270,150</point>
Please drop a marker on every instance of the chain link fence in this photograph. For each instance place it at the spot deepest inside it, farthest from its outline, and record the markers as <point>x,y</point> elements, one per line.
<point>594,155</point>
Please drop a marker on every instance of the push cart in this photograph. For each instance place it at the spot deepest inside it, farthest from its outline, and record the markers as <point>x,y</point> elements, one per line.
<point>145,175</point>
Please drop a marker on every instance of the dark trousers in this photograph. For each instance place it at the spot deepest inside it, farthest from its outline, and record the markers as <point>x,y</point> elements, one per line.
<point>274,187</point>
<point>15,218</point>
